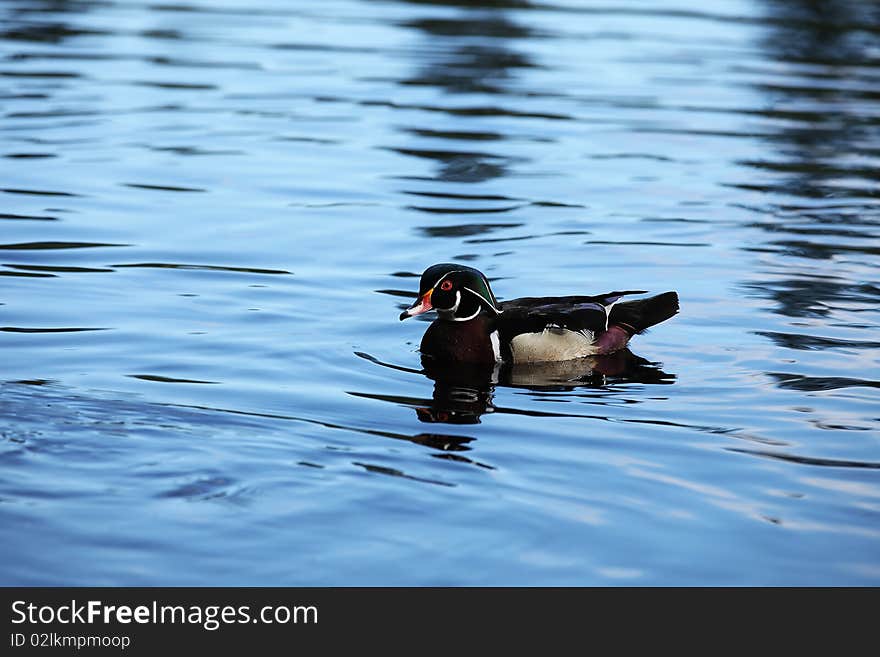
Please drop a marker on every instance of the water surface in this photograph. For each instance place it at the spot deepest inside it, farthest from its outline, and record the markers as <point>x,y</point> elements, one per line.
<point>212,214</point>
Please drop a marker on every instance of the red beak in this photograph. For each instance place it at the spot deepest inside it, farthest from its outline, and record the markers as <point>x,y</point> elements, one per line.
<point>423,305</point>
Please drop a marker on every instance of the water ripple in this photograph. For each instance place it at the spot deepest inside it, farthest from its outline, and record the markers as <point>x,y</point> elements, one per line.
<point>168,265</point>
<point>809,342</point>
<point>163,188</point>
<point>6,215</point>
<point>37,192</point>
<point>728,151</point>
<point>818,383</point>
<point>21,329</point>
<point>52,246</point>
<point>156,378</point>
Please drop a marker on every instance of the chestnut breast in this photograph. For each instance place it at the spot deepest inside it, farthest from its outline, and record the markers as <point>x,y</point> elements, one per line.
<point>466,342</point>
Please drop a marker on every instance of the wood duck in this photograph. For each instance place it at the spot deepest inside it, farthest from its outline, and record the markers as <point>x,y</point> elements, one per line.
<point>473,327</point>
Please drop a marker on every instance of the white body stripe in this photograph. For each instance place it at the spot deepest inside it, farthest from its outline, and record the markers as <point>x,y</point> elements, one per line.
<point>496,345</point>
<point>551,344</point>
<point>608,311</point>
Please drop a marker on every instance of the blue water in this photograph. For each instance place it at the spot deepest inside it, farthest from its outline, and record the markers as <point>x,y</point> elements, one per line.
<point>213,212</point>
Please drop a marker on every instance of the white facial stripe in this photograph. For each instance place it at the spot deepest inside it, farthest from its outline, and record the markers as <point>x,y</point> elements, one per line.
<point>494,309</point>
<point>450,311</point>
<point>457,294</point>
<point>464,319</point>
<point>440,280</point>
<point>457,302</point>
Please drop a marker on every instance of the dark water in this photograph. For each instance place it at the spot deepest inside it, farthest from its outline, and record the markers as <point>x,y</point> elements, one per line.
<point>213,212</point>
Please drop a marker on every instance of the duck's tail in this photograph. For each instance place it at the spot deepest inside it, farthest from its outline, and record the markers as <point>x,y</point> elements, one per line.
<point>637,316</point>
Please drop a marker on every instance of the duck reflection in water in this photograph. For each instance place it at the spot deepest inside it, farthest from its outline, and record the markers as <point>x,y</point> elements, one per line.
<point>465,392</point>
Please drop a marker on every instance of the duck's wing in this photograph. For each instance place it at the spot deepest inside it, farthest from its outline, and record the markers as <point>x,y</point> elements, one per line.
<point>576,313</point>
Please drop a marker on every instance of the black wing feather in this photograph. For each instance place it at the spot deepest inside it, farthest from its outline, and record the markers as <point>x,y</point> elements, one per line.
<point>576,313</point>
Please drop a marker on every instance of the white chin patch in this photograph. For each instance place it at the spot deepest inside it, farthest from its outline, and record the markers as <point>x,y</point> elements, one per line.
<point>449,313</point>
<point>551,344</point>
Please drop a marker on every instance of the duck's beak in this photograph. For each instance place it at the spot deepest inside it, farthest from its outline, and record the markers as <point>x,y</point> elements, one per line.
<point>423,305</point>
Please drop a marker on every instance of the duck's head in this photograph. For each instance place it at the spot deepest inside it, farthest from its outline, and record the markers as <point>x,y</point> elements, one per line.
<point>456,292</point>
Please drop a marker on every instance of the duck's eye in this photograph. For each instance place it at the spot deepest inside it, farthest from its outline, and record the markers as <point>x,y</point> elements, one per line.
<point>446,285</point>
